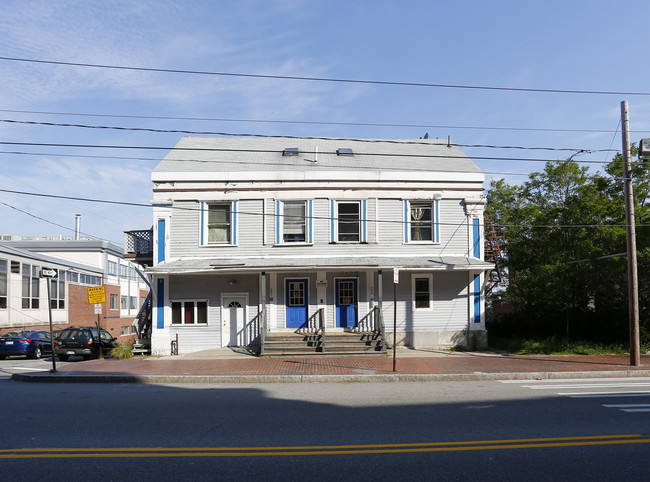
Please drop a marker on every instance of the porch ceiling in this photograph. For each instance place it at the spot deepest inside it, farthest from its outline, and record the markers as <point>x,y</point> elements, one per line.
<point>211,265</point>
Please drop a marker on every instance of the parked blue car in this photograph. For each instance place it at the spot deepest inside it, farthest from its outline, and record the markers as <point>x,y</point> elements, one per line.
<point>32,344</point>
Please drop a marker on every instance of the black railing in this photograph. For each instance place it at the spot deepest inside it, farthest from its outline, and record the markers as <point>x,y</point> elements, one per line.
<point>138,242</point>
<point>263,329</point>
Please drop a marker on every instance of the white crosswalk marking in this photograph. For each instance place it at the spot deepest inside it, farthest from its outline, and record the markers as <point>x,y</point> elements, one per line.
<point>596,388</point>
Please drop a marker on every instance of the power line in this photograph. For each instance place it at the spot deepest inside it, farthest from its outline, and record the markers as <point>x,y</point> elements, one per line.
<point>229,134</point>
<point>326,218</point>
<point>324,79</point>
<point>269,151</point>
<point>332,123</point>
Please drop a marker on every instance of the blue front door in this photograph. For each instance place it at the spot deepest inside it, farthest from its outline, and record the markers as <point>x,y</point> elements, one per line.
<point>296,296</point>
<point>346,303</point>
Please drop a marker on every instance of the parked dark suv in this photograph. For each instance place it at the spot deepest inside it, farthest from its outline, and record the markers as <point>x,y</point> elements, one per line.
<point>82,341</point>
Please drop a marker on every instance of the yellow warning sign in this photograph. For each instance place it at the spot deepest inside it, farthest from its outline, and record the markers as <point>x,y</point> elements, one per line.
<point>96,294</point>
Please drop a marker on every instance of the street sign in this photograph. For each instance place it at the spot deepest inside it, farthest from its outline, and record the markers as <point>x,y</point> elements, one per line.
<point>96,294</point>
<point>395,275</point>
<point>98,308</point>
<point>49,273</point>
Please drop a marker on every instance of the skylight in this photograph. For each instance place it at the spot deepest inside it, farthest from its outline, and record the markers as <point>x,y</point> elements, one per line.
<point>290,151</point>
<point>344,151</point>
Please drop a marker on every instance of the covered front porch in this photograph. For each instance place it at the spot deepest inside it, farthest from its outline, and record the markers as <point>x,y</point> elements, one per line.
<point>204,304</point>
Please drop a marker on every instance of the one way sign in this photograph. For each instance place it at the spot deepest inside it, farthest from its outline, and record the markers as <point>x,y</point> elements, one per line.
<point>49,273</point>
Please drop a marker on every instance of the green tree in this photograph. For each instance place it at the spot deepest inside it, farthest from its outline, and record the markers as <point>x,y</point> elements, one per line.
<point>560,228</point>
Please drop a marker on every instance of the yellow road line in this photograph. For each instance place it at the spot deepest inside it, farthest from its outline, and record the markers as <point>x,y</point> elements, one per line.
<point>324,449</point>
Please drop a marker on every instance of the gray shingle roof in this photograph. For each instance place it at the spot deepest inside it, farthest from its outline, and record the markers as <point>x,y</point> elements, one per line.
<point>256,154</point>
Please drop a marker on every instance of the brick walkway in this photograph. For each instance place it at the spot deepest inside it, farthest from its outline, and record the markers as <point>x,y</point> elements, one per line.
<point>456,364</point>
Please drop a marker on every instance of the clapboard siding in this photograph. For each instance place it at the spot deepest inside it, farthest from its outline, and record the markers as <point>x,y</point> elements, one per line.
<point>211,288</point>
<point>256,226</point>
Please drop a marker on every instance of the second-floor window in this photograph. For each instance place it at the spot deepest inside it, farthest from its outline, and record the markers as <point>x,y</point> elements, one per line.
<point>348,221</point>
<point>218,224</point>
<point>3,283</point>
<point>293,223</point>
<point>421,221</point>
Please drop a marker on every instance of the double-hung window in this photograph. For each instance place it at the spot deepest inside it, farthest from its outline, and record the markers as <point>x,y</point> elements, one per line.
<point>293,222</point>
<point>30,286</point>
<point>421,221</point>
<point>422,289</point>
<point>218,223</point>
<point>189,312</point>
<point>3,283</point>
<point>57,293</point>
<point>348,221</point>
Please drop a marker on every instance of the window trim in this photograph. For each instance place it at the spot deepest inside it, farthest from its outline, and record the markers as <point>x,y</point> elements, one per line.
<point>204,235</point>
<point>435,223</point>
<point>279,222</point>
<point>334,220</point>
<point>195,311</point>
<point>429,278</point>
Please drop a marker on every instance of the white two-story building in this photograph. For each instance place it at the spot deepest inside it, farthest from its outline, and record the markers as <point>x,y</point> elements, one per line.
<point>261,234</point>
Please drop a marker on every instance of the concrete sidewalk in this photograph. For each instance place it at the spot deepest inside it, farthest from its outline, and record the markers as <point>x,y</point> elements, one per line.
<point>238,366</point>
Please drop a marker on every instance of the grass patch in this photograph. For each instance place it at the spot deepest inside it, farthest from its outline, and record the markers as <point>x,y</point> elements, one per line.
<point>557,346</point>
<point>123,351</point>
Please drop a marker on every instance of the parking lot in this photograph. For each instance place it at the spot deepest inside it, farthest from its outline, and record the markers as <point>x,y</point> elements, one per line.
<point>16,364</point>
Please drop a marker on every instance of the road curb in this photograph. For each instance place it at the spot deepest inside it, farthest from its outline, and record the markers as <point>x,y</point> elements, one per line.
<point>382,378</point>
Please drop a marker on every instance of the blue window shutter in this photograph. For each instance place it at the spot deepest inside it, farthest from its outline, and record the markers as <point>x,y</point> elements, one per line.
<point>161,240</point>
<point>160,305</point>
<point>332,225</point>
<point>202,227</point>
<point>477,240</point>
<point>277,222</point>
<point>233,215</point>
<point>477,298</point>
<point>364,233</point>
<point>311,224</point>
<point>436,221</point>
<point>406,221</point>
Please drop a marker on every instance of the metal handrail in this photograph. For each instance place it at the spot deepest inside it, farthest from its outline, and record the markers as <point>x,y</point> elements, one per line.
<point>321,318</point>
<point>379,326</point>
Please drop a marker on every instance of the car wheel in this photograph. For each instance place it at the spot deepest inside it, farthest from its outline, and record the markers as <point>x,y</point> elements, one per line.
<point>38,352</point>
<point>63,357</point>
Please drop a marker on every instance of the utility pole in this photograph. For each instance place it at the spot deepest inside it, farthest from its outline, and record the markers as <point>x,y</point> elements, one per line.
<point>632,277</point>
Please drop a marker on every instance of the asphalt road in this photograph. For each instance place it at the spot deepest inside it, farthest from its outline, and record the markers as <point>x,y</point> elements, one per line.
<point>539,430</point>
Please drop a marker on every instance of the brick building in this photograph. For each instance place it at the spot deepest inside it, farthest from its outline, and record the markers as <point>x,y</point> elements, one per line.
<point>81,264</point>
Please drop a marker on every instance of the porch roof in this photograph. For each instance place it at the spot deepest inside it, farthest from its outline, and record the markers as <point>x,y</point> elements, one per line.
<point>212,265</point>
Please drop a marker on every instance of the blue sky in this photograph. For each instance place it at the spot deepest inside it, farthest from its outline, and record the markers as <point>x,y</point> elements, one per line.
<point>577,45</point>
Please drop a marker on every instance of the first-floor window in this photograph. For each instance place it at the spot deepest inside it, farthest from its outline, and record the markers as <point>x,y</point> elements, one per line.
<point>189,312</point>
<point>30,286</point>
<point>422,295</point>
<point>115,302</point>
<point>3,283</point>
<point>57,294</point>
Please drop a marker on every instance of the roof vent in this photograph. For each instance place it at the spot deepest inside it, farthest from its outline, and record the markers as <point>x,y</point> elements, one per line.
<point>290,151</point>
<point>344,151</point>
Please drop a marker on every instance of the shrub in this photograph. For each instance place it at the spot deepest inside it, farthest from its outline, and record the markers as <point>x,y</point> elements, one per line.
<point>122,351</point>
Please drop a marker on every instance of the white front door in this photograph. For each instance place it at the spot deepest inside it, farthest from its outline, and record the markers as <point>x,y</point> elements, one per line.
<point>233,314</point>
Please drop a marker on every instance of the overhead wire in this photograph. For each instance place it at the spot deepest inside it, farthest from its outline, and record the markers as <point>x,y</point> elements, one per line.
<point>303,122</point>
<point>322,79</point>
<point>326,218</point>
